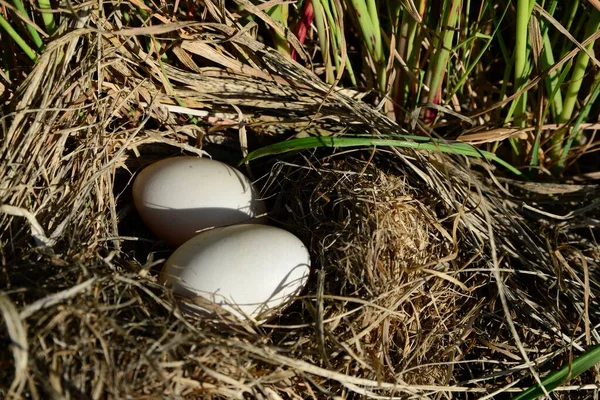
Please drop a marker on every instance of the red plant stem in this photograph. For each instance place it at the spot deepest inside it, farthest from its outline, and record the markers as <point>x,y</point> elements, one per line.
<point>431,113</point>
<point>306,20</point>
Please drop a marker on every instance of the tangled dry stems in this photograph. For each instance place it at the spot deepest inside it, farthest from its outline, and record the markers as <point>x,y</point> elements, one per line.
<point>404,300</point>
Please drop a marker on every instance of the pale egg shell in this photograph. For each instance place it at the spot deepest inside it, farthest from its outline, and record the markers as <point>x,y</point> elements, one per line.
<point>177,197</point>
<point>249,270</point>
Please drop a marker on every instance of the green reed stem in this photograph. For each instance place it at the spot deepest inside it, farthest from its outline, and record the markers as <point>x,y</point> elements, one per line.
<point>574,88</point>
<point>35,36</point>
<point>18,39</point>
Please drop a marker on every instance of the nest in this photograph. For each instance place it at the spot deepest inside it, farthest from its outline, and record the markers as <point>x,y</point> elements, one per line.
<point>425,265</point>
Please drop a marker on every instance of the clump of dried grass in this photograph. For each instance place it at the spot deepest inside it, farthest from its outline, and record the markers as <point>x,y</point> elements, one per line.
<point>405,299</point>
<point>391,298</point>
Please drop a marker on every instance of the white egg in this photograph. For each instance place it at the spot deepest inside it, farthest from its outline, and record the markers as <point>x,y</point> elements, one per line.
<point>177,197</point>
<point>249,270</point>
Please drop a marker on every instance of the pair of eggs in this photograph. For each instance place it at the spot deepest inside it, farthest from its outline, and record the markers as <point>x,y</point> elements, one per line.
<point>225,252</point>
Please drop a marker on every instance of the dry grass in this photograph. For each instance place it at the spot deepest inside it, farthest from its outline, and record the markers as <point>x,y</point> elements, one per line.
<point>405,300</point>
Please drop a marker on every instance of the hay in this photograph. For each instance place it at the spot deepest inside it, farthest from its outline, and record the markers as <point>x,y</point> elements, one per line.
<point>405,299</point>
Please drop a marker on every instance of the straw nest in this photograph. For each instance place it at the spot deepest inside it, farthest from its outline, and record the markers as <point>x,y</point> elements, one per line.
<point>431,276</point>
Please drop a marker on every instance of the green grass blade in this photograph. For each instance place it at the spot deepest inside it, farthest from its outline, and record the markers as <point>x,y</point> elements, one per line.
<point>536,144</point>
<point>506,55</point>
<point>474,63</point>
<point>374,15</point>
<point>378,55</point>
<point>579,69</point>
<point>47,17</point>
<point>18,39</point>
<point>280,14</point>
<point>571,96</point>
<point>408,50</point>
<point>581,364</point>
<point>364,141</point>
<point>371,34</point>
<point>35,36</point>
<point>572,12</point>
<point>333,34</point>
<point>547,60</point>
<point>583,114</point>
<point>554,95</point>
<point>476,35</point>
<point>443,48</point>
<point>501,42</point>
<point>319,21</point>
<point>524,10</point>
<point>332,16</point>
<point>366,26</point>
